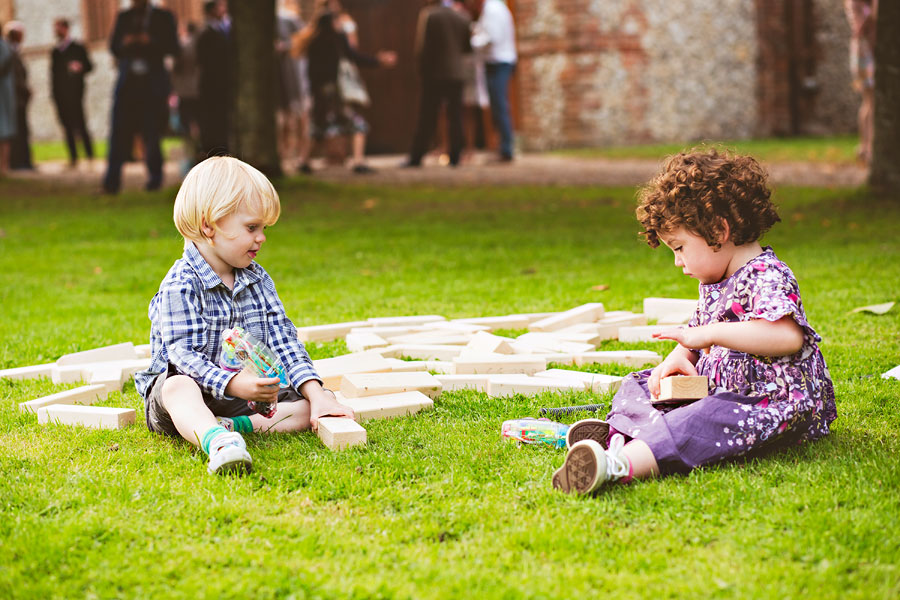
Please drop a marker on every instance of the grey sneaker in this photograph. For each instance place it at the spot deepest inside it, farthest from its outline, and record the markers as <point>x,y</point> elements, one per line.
<point>588,429</point>
<point>228,454</point>
<point>588,466</point>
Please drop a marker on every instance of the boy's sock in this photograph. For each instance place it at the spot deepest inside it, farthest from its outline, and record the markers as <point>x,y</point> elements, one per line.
<point>211,434</point>
<point>241,423</point>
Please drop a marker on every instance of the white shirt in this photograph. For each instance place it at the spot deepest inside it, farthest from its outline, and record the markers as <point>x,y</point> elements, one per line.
<point>496,33</point>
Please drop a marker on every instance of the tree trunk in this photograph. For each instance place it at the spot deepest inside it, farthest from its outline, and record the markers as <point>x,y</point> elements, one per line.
<point>254,118</point>
<point>885,168</point>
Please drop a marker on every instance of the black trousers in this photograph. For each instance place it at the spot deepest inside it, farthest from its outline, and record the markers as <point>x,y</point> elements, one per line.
<point>71,116</point>
<point>435,93</point>
<point>20,149</point>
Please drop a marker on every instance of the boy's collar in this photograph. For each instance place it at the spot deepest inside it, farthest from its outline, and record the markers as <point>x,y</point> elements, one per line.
<point>209,278</point>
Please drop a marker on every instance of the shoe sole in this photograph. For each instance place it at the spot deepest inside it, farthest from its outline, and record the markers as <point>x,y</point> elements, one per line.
<point>588,429</point>
<point>579,473</point>
<point>237,467</point>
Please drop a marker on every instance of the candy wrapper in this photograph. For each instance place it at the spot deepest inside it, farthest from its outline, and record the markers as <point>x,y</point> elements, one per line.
<point>535,431</point>
<point>241,350</point>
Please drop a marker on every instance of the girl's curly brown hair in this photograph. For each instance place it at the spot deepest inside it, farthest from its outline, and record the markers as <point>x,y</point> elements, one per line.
<point>701,190</point>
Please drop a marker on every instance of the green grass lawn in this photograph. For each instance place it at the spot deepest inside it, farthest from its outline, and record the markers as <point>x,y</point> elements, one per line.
<point>436,506</point>
<point>56,150</point>
<point>835,149</point>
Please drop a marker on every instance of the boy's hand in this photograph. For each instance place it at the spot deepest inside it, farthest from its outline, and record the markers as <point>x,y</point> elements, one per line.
<point>674,364</point>
<point>322,403</point>
<point>247,386</point>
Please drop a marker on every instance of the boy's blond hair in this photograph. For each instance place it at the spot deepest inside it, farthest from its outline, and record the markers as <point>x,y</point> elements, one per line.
<point>220,186</point>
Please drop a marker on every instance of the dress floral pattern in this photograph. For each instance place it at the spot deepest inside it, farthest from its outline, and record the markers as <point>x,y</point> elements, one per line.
<point>756,403</point>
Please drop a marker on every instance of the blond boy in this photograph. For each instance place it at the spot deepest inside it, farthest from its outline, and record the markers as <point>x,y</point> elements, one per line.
<point>222,210</point>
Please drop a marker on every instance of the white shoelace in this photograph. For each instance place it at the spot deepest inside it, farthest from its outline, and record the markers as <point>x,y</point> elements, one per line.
<point>616,462</point>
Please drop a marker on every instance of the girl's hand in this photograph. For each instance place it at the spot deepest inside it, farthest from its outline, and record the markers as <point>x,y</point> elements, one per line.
<point>247,386</point>
<point>695,338</point>
<point>675,363</point>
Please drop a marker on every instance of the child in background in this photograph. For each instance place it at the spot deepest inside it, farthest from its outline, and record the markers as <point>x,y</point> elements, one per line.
<point>222,210</point>
<point>769,386</point>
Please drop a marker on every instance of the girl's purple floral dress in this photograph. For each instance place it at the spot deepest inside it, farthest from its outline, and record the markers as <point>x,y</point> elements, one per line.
<point>756,403</point>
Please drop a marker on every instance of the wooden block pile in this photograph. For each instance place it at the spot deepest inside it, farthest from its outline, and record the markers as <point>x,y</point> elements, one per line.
<point>103,369</point>
<point>388,370</point>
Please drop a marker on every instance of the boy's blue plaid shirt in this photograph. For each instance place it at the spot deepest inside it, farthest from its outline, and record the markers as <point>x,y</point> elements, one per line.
<point>192,308</point>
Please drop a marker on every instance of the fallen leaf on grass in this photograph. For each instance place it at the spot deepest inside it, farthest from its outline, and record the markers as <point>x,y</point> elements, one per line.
<point>878,309</point>
<point>600,288</point>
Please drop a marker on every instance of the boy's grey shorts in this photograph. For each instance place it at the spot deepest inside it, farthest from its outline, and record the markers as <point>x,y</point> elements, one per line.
<point>159,420</point>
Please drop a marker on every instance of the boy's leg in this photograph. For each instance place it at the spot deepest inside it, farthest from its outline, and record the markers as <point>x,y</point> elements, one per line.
<point>183,400</point>
<point>290,415</point>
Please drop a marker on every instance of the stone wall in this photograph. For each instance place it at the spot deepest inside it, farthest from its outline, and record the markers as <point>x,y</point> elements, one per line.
<point>596,73</point>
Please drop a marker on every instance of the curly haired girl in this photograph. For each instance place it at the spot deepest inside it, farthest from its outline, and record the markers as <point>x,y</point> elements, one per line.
<point>768,383</point>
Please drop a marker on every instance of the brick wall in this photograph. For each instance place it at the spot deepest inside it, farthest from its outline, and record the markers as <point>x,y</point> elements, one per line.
<point>594,72</point>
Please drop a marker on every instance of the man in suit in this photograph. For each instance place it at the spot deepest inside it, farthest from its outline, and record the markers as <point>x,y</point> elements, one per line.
<point>142,37</point>
<point>69,63</point>
<point>216,65</point>
<point>20,151</point>
<point>442,38</point>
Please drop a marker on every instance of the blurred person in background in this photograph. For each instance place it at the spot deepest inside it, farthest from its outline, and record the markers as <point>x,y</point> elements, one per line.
<point>293,101</point>
<point>324,46</point>
<point>861,15</point>
<point>7,104</point>
<point>20,149</point>
<point>185,86</point>
<point>142,37</point>
<point>69,63</point>
<point>216,58</point>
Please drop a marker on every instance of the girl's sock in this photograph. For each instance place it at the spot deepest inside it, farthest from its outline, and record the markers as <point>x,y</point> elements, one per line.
<point>211,434</point>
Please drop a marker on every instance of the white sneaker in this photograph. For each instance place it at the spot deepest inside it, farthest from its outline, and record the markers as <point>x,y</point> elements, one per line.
<point>228,454</point>
<point>588,466</point>
<point>226,422</point>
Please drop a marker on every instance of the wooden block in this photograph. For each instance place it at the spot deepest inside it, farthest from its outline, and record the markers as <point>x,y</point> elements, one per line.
<point>452,383</point>
<point>509,385</point>
<point>327,333</point>
<point>532,317</point>
<point>422,351</point>
<point>362,341</point>
<point>143,351</point>
<point>453,326</point>
<point>332,369</point>
<point>683,387</point>
<point>386,332</point>
<point>69,374</point>
<point>100,417</point>
<point>108,377</point>
<point>589,333</point>
<point>338,433</point>
<point>443,367</point>
<point>86,394</point>
<point>595,382</point>
<point>630,358</point>
<point>30,372</point>
<point>670,310</point>
<point>357,385</point>
<point>641,334</point>
<point>405,321</point>
<point>551,343</point>
<point>586,313</point>
<point>488,343</point>
<point>445,338</point>
<point>388,405</point>
<point>506,322</point>
<point>563,358</point>
<point>623,318</point>
<point>115,352</point>
<point>892,373</point>
<point>406,366</point>
<point>500,363</point>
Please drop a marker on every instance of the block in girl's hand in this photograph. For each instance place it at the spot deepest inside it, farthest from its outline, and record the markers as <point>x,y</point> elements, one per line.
<point>683,387</point>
